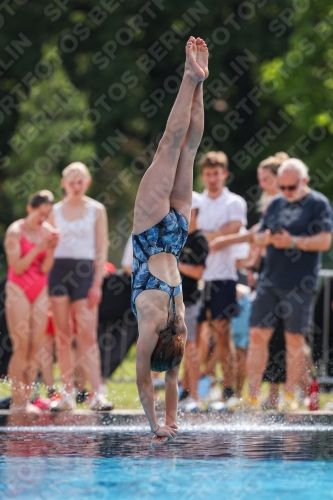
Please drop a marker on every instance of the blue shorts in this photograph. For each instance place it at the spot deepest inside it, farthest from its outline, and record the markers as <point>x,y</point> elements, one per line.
<point>219,298</point>
<point>294,306</point>
<point>240,325</point>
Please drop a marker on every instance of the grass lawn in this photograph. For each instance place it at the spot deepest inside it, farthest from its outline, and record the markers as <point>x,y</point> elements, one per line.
<point>123,394</point>
<point>122,390</point>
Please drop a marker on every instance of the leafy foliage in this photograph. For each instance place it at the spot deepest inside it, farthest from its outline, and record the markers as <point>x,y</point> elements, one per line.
<point>117,66</point>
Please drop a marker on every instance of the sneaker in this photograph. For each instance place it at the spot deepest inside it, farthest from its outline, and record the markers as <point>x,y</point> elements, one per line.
<point>42,403</point>
<point>233,403</point>
<point>182,393</point>
<point>289,402</point>
<point>100,403</point>
<point>55,396</point>
<point>215,394</point>
<point>228,393</point>
<point>306,402</point>
<point>51,391</point>
<point>268,405</point>
<point>82,396</point>
<point>67,403</point>
<point>218,406</point>
<point>5,403</point>
<point>190,405</point>
<point>250,403</point>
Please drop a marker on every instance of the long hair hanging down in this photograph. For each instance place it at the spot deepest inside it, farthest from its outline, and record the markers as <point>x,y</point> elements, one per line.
<point>169,350</point>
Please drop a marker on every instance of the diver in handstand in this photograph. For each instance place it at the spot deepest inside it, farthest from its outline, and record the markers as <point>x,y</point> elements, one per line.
<point>161,216</point>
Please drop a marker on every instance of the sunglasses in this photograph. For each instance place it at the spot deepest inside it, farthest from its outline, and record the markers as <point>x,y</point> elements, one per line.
<point>289,188</point>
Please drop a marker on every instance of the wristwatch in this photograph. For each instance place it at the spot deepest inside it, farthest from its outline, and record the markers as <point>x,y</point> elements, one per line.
<point>293,243</point>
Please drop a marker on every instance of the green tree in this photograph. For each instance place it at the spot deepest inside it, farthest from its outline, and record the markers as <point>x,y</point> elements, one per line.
<point>126,61</point>
<point>49,132</point>
<point>305,73</point>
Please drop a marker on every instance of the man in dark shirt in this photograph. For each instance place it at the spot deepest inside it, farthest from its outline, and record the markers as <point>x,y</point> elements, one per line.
<point>295,229</point>
<point>191,266</point>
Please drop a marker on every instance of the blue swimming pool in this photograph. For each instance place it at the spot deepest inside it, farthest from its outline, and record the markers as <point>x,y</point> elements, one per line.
<point>125,478</point>
<point>231,462</point>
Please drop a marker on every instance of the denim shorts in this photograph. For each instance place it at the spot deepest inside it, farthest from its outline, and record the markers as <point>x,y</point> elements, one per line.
<point>294,306</point>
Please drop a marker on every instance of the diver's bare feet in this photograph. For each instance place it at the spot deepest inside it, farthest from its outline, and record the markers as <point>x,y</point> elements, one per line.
<point>202,55</point>
<point>191,65</point>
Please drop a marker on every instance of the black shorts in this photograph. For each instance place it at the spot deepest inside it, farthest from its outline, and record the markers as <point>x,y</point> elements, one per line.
<point>219,298</point>
<point>71,277</point>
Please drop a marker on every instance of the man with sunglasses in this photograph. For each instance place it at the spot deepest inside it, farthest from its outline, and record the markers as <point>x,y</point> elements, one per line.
<point>296,228</point>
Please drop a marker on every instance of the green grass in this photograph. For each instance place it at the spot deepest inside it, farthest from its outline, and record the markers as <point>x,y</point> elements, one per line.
<point>122,390</point>
<point>123,394</point>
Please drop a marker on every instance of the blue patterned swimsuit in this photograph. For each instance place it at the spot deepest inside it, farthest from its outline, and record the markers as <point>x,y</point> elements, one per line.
<point>168,235</point>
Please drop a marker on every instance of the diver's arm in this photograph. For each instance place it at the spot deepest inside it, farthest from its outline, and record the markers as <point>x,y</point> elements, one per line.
<point>144,349</point>
<point>144,382</point>
<point>171,395</point>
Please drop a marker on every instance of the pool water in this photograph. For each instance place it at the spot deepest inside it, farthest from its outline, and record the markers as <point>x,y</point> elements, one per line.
<point>229,462</point>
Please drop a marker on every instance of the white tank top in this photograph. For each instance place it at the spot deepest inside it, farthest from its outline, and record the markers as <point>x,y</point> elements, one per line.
<point>77,239</point>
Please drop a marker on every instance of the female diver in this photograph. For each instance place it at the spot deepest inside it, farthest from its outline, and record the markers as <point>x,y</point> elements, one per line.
<point>161,216</point>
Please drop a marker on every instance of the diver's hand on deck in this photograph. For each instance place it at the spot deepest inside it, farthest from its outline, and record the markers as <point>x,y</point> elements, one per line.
<point>165,434</point>
<point>169,431</point>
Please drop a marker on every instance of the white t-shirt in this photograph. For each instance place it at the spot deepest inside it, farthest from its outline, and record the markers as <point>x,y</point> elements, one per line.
<point>241,250</point>
<point>213,214</point>
<point>77,238</point>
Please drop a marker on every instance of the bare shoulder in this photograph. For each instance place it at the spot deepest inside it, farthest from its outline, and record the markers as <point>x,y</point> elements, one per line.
<point>99,208</point>
<point>93,203</point>
<point>15,229</point>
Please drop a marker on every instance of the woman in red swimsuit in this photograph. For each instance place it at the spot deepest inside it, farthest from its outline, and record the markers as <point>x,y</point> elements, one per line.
<point>29,246</point>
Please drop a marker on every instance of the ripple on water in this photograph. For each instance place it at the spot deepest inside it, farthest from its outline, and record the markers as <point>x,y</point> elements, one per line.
<point>276,442</point>
<point>233,461</point>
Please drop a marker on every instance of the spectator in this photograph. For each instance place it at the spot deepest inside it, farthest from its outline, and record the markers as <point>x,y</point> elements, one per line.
<point>191,266</point>
<point>295,229</point>
<point>222,212</point>
<point>275,372</point>
<point>238,343</point>
<point>29,246</point>
<point>268,181</point>
<point>75,283</point>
